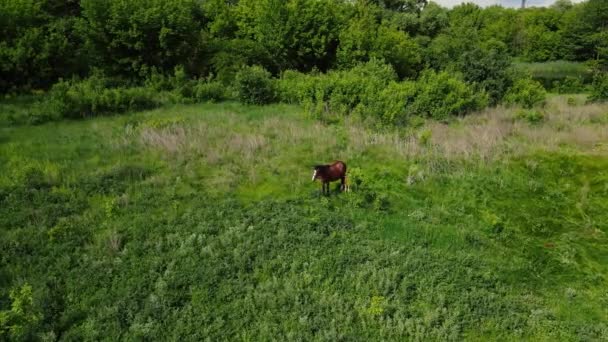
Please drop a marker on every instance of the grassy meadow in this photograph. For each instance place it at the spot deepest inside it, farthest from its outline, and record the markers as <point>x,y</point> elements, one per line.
<point>194,222</point>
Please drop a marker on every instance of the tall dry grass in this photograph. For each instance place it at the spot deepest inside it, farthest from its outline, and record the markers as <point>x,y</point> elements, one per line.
<point>255,146</point>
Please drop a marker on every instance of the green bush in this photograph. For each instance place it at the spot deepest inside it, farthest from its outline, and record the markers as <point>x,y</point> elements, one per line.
<point>599,88</point>
<point>254,85</point>
<point>532,116</point>
<point>97,96</point>
<point>440,95</point>
<point>209,91</point>
<point>488,69</point>
<point>182,88</point>
<point>392,103</point>
<point>339,92</point>
<point>181,84</point>
<point>527,93</point>
<point>292,86</point>
<point>371,90</point>
<point>568,85</point>
<point>355,89</point>
<point>547,73</point>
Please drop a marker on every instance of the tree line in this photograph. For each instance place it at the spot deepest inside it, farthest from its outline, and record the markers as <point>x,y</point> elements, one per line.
<point>43,41</point>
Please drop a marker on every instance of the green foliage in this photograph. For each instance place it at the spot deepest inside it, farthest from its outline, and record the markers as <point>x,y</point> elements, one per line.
<point>569,85</point>
<point>441,95</point>
<point>97,96</point>
<point>367,90</point>
<point>532,116</point>
<point>184,89</point>
<point>585,30</point>
<point>392,104</point>
<point>433,19</point>
<point>124,240</point>
<point>210,91</point>
<point>18,322</point>
<point>339,91</point>
<point>489,69</point>
<point>542,44</point>
<point>37,44</point>
<point>527,93</point>
<point>365,39</point>
<point>45,40</point>
<point>557,71</point>
<point>254,85</point>
<point>599,88</point>
<point>130,37</point>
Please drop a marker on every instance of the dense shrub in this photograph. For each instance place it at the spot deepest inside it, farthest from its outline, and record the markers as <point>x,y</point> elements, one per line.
<point>254,85</point>
<point>292,86</point>
<point>532,116</point>
<point>548,73</point>
<point>181,84</point>
<point>371,90</point>
<point>209,91</point>
<point>96,96</point>
<point>355,89</point>
<point>568,85</point>
<point>393,102</point>
<point>599,88</point>
<point>433,95</point>
<point>339,92</point>
<point>43,40</point>
<point>489,69</point>
<point>440,95</point>
<point>183,89</point>
<point>527,93</point>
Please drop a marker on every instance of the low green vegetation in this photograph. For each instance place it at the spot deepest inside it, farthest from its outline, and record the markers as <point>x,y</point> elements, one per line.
<point>599,88</point>
<point>527,93</point>
<point>371,90</point>
<point>140,201</point>
<point>200,221</point>
<point>561,76</point>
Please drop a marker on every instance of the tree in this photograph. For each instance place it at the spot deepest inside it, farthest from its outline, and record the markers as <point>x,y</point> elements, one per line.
<point>365,38</point>
<point>299,34</point>
<point>433,19</point>
<point>38,43</point>
<point>487,67</point>
<point>583,28</point>
<point>130,37</point>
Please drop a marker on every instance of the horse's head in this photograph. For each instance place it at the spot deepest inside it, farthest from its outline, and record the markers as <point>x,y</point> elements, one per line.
<point>316,170</point>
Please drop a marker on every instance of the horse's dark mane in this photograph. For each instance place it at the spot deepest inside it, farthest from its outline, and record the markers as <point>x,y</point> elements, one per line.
<point>320,167</point>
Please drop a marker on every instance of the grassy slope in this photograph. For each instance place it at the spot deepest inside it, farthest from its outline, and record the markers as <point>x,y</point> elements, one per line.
<point>202,221</point>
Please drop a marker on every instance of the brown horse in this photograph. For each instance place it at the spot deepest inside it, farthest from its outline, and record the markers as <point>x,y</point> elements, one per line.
<point>330,173</point>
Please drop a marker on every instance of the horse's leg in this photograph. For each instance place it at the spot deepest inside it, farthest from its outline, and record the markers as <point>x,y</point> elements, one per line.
<point>343,183</point>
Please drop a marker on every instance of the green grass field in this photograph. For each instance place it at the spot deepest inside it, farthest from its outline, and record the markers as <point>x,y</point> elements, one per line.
<point>200,222</point>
